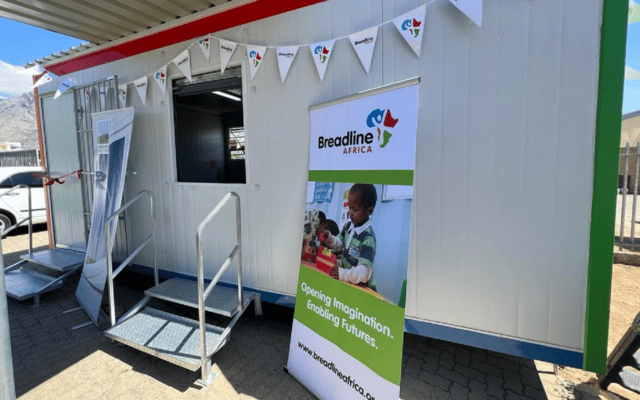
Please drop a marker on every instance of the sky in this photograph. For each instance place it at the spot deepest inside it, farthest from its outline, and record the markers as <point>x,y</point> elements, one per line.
<point>21,43</point>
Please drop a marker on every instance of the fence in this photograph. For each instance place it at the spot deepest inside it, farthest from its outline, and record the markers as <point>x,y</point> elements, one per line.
<point>627,202</point>
<point>20,158</point>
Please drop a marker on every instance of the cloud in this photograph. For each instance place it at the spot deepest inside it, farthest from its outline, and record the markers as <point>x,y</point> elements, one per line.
<point>631,74</point>
<point>13,83</point>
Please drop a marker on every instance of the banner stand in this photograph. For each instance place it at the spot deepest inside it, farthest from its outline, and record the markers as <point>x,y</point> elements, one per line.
<point>348,328</point>
<point>301,382</point>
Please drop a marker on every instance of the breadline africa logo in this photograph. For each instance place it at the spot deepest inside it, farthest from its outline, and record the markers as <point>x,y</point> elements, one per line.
<point>161,77</point>
<point>380,118</point>
<point>255,58</point>
<point>359,143</point>
<point>205,42</point>
<point>322,52</point>
<point>412,26</point>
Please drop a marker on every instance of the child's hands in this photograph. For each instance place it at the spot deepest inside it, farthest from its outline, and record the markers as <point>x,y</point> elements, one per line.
<point>334,272</point>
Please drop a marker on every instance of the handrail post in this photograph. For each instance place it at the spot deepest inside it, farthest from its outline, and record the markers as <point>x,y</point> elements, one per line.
<point>108,245</point>
<point>153,232</point>
<point>112,305</point>
<point>30,223</point>
<point>239,235</point>
<point>206,367</point>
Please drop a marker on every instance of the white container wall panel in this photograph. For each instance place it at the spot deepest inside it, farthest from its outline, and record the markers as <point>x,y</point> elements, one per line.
<point>504,167</point>
<point>61,142</point>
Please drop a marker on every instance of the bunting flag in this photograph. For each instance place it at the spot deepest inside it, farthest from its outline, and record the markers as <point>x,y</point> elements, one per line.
<point>411,27</point>
<point>46,78</point>
<point>256,55</point>
<point>160,77</point>
<point>470,8</point>
<point>634,12</point>
<point>183,61</point>
<point>122,95</point>
<point>141,88</point>
<point>364,42</point>
<point>205,46</point>
<point>226,51</point>
<point>64,86</point>
<point>33,70</point>
<point>321,53</point>
<point>286,54</point>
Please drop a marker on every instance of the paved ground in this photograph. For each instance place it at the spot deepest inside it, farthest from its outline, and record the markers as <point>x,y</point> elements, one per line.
<point>51,361</point>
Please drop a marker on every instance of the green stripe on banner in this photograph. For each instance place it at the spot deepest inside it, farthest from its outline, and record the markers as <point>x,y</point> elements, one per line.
<point>603,207</point>
<point>381,177</point>
<point>369,329</point>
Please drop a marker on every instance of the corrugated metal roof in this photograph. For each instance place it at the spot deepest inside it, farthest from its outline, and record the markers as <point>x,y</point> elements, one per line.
<point>101,21</point>
<point>117,29</point>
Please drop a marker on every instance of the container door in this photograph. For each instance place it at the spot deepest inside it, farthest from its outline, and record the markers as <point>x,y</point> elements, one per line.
<point>61,157</point>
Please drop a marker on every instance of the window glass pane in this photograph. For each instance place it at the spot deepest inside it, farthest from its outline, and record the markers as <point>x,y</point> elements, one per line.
<point>5,184</point>
<point>209,129</point>
<point>27,178</point>
<point>236,143</point>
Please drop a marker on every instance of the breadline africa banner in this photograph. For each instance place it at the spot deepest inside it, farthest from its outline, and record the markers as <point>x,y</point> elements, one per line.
<point>348,328</point>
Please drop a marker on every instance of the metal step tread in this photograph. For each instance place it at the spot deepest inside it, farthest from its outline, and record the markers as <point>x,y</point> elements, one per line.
<point>167,336</point>
<point>222,300</point>
<point>23,283</point>
<point>630,378</point>
<point>61,260</point>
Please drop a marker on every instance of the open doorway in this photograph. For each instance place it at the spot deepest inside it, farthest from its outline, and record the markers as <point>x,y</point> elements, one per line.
<point>209,128</point>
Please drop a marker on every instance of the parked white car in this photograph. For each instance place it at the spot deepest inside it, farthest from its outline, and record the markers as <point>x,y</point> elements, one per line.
<point>14,206</point>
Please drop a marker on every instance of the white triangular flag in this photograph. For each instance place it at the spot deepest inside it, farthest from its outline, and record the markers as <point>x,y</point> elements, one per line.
<point>122,95</point>
<point>286,54</point>
<point>33,70</point>
<point>160,76</point>
<point>64,86</point>
<point>256,55</point>
<point>470,8</point>
<point>226,51</point>
<point>205,46</point>
<point>364,42</point>
<point>411,27</point>
<point>46,78</point>
<point>141,88</point>
<point>183,61</point>
<point>321,53</point>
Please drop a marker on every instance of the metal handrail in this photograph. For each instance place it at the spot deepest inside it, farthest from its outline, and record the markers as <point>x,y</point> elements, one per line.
<point>112,274</point>
<point>17,224</point>
<point>202,293</point>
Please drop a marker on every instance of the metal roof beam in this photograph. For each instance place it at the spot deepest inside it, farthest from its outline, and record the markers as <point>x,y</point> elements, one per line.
<point>122,10</point>
<point>105,15</point>
<point>45,8</point>
<point>152,9</point>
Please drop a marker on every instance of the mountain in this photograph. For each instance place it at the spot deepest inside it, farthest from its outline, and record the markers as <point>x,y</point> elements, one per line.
<point>18,121</point>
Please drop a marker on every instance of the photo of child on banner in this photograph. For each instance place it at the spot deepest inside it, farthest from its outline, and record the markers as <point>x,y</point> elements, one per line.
<point>367,250</point>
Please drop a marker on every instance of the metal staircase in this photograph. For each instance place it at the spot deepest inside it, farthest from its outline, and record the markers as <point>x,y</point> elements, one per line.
<point>23,283</point>
<point>182,341</point>
<point>623,364</point>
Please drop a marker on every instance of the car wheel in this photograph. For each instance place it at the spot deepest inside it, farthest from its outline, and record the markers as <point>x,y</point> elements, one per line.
<point>5,221</point>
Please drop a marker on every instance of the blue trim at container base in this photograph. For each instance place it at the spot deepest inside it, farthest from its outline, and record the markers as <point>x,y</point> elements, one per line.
<point>269,297</point>
<point>482,340</point>
<point>495,343</point>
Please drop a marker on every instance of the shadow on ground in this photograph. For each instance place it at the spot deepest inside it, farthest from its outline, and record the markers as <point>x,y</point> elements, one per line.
<point>251,364</point>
